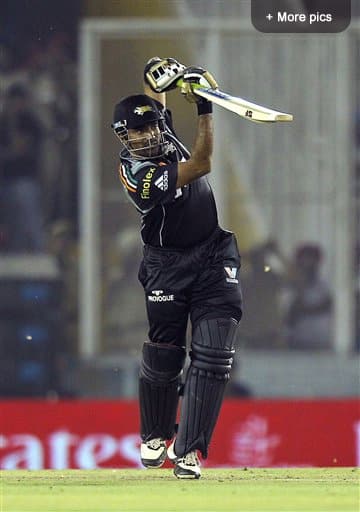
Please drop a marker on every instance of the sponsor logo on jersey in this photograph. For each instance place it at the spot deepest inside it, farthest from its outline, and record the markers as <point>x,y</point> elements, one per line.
<point>158,296</point>
<point>146,183</point>
<point>163,182</point>
<point>231,274</point>
<point>140,110</point>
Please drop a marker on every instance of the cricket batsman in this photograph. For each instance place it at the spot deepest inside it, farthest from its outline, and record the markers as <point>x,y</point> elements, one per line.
<point>189,271</point>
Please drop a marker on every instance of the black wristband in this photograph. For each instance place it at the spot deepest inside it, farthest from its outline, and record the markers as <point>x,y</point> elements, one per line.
<point>204,107</point>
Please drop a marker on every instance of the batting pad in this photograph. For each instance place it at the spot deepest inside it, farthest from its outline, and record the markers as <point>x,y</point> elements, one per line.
<point>159,382</point>
<point>211,360</point>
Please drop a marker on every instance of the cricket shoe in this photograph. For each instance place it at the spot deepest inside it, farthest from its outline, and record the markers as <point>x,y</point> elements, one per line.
<point>153,453</point>
<point>187,466</point>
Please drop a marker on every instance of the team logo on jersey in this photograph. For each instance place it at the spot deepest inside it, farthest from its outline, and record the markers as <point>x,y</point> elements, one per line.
<point>146,183</point>
<point>163,181</point>
<point>140,110</point>
<point>231,274</point>
<point>170,148</point>
<point>158,296</point>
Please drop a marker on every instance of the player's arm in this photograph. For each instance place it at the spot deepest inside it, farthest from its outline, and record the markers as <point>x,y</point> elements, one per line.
<point>157,96</point>
<point>162,75</point>
<point>199,163</point>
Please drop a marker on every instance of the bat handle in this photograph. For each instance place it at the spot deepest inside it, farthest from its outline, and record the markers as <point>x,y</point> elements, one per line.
<point>180,83</point>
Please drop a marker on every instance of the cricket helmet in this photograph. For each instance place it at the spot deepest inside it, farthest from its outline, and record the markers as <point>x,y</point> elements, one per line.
<point>134,112</point>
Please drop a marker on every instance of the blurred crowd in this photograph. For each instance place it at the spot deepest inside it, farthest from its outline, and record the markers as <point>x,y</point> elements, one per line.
<point>288,302</point>
<point>38,143</point>
<point>38,163</point>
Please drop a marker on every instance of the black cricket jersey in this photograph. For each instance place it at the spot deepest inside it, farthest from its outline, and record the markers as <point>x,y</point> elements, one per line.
<point>171,217</point>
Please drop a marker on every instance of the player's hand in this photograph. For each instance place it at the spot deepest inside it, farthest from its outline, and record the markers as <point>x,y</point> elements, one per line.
<point>200,76</point>
<point>193,77</point>
<point>162,74</point>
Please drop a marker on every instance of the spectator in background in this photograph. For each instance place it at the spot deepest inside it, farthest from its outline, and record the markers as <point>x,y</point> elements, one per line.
<point>264,283</point>
<point>52,79</point>
<point>20,191</point>
<point>309,317</point>
<point>10,70</point>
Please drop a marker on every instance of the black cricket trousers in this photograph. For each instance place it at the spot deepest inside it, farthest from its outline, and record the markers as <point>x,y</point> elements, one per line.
<point>197,283</point>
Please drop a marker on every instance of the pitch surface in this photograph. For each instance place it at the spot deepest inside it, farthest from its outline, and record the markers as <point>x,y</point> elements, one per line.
<point>253,490</point>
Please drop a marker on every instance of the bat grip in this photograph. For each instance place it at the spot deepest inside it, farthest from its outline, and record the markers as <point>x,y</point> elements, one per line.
<point>195,86</point>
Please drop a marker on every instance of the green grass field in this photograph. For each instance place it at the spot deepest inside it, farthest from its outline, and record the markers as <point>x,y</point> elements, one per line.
<point>255,490</point>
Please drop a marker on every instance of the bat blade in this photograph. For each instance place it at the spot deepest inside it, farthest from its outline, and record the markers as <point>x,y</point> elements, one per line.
<point>242,107</point>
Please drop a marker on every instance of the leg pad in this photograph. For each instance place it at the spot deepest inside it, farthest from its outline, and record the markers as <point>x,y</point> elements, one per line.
<point>160,378</point>
<point>211,360</point>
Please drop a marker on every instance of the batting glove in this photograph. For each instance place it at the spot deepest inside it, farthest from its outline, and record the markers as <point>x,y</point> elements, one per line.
<point>162,74</point>
<point>194,77</point>
<point>199,76</point>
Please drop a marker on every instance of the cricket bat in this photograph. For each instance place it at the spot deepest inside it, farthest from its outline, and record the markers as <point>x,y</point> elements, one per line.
<point>242,107</point>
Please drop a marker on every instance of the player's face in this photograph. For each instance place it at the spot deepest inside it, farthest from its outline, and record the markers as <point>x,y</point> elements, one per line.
<point>145,140</point>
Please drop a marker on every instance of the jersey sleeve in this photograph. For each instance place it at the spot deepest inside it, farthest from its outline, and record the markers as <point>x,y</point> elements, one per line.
<point>149,184</point>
